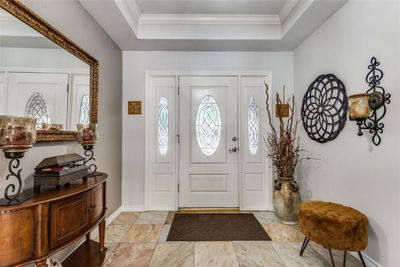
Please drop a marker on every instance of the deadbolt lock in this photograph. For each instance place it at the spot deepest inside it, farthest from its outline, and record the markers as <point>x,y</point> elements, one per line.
<point>233,150</point>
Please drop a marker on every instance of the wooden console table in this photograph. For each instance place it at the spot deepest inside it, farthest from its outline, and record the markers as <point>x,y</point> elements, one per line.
<point>52,220</point>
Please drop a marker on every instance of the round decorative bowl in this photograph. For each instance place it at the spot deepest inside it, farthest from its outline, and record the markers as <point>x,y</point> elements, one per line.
<point>87,134</point>
<point>17,134</point>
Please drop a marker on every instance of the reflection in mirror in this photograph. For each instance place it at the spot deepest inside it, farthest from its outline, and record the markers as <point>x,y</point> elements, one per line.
<point>39,79</point>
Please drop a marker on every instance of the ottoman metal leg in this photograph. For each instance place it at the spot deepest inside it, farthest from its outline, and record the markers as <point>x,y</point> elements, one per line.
<point>303,247</point>
<point>344,259</point>
<point>362,259</point>
<point>330,253</point>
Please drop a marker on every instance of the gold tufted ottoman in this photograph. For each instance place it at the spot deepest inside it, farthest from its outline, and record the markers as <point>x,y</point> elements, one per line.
<point>333,226</point>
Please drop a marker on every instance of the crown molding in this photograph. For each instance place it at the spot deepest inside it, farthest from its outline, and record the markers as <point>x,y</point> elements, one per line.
<point>131,12</point>
<point>287,9</point>
<point>206,26</point>
<point>200,19</point>
<point>136,12</point>
<point>296,12</point>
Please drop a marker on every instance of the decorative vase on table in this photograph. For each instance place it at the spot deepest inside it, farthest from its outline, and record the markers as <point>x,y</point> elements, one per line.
<point>283,149</point>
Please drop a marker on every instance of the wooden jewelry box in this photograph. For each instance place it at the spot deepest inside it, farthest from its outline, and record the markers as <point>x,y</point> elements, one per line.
<point>59,170</point>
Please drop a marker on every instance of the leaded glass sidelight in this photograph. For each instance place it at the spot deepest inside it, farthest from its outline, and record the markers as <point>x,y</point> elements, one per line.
<point>252,125</point>
<point>208,125</point>
<point>163,126</point>
<point>37,108</point>
<point>84,110</point>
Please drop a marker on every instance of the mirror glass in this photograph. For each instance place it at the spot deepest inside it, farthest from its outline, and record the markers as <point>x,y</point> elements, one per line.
<point>39,79</point>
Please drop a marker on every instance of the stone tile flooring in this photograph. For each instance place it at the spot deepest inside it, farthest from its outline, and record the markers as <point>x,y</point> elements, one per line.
<point>139,239</point>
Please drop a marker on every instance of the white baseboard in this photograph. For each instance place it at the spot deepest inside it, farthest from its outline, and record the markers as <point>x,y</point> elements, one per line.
<point>127,208</point>
<point>368,261</point>
<point>113,216</point>
<point>162,209</point>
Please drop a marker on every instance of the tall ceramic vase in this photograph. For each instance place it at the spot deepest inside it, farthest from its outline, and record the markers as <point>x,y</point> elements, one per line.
<point>286,200</point>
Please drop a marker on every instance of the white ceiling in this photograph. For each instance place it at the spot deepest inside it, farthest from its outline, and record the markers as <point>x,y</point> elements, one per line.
<point>210,25</point>
<point>231,7</point>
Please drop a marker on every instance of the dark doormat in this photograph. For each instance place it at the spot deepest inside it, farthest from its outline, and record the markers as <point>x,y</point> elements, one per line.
<point>216,227</point>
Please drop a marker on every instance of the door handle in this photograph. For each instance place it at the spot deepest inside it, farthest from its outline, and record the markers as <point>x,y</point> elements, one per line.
<point>233,150</point>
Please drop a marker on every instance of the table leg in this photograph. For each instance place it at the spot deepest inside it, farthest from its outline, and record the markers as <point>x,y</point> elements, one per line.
<point>88,237</point>
<point>41,263</point>
<point>102,232</point>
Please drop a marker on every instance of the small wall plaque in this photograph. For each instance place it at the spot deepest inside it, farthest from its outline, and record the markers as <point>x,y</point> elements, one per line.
<point>282,111</point>
<point>134,107</point>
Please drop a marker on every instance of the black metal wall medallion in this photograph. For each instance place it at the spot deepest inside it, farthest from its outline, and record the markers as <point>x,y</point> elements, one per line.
<point>324,109</point>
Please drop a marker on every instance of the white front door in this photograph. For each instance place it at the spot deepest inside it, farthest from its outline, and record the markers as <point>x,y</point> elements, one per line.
<point>208,148</point>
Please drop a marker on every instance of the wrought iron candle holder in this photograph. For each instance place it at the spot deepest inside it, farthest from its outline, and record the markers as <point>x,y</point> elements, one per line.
<point>378,99</point>
<point>17,135</point>
<point>87,137</point>
<point>89,154</point>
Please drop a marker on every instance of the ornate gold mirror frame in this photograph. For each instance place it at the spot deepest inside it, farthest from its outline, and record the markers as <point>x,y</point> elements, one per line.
<point>27,16</point>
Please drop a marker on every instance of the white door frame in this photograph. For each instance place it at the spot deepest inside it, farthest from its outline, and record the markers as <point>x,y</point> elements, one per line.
<point>149,131</point>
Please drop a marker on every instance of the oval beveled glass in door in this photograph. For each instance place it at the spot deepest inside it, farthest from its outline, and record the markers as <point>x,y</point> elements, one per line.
<point>84,110</point>
<point>208,125</point>
<point>252,126</point>
<point>163,126</point>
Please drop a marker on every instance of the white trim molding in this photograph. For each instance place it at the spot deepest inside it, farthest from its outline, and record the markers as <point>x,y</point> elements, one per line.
<point>178,27</point>
<point>287,9</point>
<point>208,19</point>
<point>130,12</point>
<point>294,14</point>
<point>132,208</point>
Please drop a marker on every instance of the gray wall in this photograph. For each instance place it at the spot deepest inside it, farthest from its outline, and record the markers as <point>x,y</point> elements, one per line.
<point>351,170</point>
<point>71,19</point>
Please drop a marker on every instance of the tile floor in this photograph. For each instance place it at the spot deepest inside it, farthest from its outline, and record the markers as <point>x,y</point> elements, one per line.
<point>139,239</point>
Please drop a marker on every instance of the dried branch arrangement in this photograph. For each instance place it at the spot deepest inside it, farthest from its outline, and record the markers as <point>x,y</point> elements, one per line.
<point>283,144</point>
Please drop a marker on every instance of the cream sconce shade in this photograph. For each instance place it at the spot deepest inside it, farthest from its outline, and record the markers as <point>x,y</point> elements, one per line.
<point>359,107</point>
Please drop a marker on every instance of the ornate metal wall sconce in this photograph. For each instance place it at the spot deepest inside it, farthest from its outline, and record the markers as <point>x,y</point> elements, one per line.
<point>87,137</point>
<point>17,135</point>
<point>369,109</point>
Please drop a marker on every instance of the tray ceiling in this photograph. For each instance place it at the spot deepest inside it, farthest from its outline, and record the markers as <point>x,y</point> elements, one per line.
<point>210,25</point>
